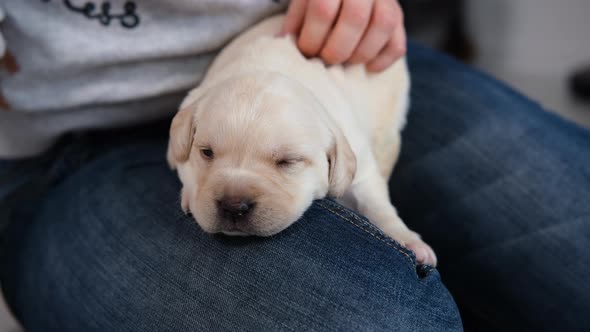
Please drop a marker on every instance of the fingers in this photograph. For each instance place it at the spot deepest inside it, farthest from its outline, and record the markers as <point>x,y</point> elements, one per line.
<point>319,18</point>
<point>378,34</point>
<point>294,18</point>
<point>395,49</point>
<point>352,22</point>
<point>353,31</point>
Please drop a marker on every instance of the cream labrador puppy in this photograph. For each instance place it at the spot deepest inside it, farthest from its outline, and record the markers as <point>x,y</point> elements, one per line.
<point>269,131</point>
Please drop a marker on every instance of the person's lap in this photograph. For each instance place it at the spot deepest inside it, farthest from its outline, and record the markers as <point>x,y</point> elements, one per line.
<point>109,247</point>
<point>111,250</point>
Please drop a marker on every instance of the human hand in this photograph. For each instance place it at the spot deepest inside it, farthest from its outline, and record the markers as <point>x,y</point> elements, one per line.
<point>348,31</point>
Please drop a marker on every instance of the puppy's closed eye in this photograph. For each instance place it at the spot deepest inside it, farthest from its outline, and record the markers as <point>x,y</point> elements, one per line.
<point>283,163</point>
<point>289,162</point>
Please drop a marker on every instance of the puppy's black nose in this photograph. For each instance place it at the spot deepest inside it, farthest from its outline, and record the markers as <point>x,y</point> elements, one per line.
<point>235,209</point>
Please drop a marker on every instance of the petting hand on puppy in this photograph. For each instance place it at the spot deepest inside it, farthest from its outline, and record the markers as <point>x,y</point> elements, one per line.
<point>348,31</point>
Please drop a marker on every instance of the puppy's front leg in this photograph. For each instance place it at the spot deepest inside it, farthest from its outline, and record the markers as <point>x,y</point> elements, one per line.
<point>370,197</point>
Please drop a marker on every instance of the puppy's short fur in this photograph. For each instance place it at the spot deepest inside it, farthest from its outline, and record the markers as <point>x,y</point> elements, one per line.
<point>268,131</point>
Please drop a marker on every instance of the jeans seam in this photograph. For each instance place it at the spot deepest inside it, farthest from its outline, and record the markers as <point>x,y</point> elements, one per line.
<point>389,242</point>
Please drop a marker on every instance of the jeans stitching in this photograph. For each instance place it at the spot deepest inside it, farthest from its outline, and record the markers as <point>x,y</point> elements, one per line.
<point>389,243</point>
<point>360,220</point>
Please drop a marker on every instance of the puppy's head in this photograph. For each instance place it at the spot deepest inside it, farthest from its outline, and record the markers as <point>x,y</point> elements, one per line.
<point>254,152</point>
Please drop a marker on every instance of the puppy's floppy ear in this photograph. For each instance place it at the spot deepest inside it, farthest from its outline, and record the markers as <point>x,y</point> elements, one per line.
<point>182,129</point>
<point>182,134</point>
<point>342,163</point>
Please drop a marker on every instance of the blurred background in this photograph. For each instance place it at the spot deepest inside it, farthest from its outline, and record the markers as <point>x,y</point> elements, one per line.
<point>535,46</point>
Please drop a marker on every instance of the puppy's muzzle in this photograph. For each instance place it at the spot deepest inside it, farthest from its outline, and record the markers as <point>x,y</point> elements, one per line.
<point>236,209</point>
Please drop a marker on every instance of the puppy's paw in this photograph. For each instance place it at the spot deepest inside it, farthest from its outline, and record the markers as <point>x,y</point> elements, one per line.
<point>407,238</point>
<point>424,254</point>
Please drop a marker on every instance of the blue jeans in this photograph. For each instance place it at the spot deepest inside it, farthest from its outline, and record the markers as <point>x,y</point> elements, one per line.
<point>499,187</point>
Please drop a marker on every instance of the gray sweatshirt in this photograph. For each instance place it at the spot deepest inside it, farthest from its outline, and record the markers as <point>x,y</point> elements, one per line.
<point>77,64</point>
